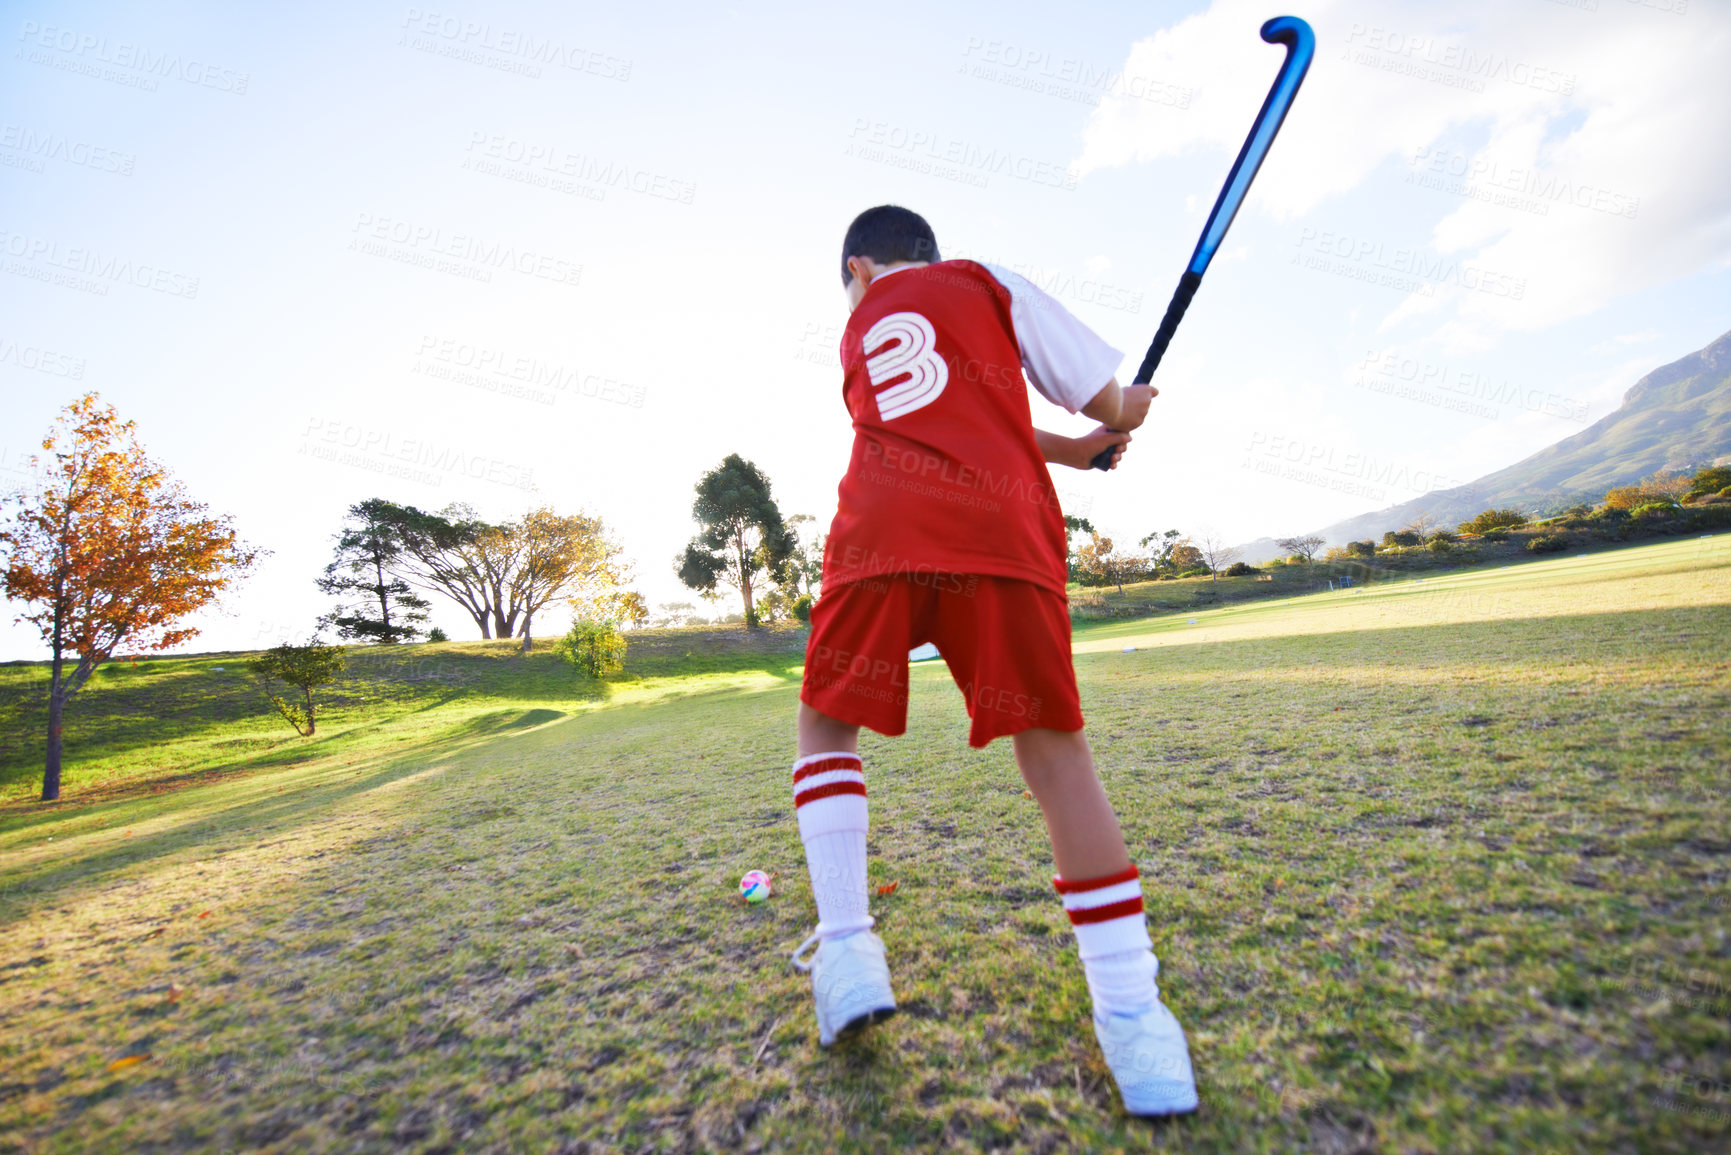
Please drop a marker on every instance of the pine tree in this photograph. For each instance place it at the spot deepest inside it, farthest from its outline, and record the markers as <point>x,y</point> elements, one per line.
<point>376,606</point>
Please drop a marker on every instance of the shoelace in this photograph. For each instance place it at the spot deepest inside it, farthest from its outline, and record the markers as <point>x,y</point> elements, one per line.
<point>805,966</point>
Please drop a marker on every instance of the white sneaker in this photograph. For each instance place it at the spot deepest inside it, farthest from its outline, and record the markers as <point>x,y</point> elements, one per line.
<point>850,981</point>
<point>1150,1059</point>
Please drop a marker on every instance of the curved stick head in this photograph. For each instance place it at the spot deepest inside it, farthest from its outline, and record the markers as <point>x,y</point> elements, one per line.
<point>1292,32</point>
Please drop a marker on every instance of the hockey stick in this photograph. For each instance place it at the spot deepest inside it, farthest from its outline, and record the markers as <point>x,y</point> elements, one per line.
<point>1300,44</point>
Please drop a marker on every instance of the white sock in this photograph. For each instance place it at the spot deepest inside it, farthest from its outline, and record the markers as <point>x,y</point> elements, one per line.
<point>1112,937</point>
<point>830,799</point>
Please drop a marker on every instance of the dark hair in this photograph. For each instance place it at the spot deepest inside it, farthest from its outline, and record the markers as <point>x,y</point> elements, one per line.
<point>887,234</point>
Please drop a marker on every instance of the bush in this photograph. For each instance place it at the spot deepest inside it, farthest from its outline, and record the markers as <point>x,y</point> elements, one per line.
<point>1713,479</point>
<point>1548,543</point>
<point>1241,569</point>
<point>802,607</point>
<point>1277,563</point>
<point>1652,511</point>
<point>437,635</point>
<point>1361,549</point>
<point>1497,533</point>
<point>1202,572</point>
<point>594,649</point>
<point>1494,519</point>
<point>1401,537</point>
<point>1297,559</point>
<point>1440,545</point>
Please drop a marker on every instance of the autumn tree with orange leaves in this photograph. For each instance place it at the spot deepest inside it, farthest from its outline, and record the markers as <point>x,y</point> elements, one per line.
<point>108,550</point>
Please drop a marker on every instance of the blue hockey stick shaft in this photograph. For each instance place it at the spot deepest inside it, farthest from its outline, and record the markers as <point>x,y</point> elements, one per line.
<point>1300,44</point>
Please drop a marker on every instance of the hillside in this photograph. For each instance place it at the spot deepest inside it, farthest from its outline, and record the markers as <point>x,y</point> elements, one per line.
<point>1676,415</point>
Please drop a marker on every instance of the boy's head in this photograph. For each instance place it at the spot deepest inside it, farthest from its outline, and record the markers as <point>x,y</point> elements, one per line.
<point>884,236</point>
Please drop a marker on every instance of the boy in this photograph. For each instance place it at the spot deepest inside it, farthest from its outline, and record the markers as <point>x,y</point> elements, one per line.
<point>947,531</point>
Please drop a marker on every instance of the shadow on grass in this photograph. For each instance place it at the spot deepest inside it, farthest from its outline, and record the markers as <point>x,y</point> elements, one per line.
<point>242,818</point>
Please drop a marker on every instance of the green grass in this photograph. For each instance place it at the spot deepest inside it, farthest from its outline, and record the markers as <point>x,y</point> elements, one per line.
<point>1431,866</point>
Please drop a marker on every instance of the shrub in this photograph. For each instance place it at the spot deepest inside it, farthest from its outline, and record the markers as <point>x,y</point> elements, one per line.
<point>1439,535</point>
<point>1241,569</point>
<point>1548,543</point>
<point>437,635</point>
<point>1713,479</point>
<point>1652,511</point>
<point>1497,533</point>
<point>1277,563</point>
<point>1361,549</point>
<point>802,607</point>
<point>1401,537</point>
<point>303,667</point>
<point>1440,545</point>
<point>1202,572</point>
<point>594,648</point>
<point>1297,559</point>
<point>1494,519</point>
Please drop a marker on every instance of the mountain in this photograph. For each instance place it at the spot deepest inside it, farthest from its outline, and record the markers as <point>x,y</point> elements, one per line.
<point>1677,415</point>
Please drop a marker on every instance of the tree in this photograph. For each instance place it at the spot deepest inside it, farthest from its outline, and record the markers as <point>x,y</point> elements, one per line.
<point>1709,480</point>
<point>1072,526</point>
<point>1494,519</point>
<point>503,574</point>
<point>744,536</point>
<point>1160,547</point>
<point>366,567</point>
<point>1304,547</point>
<point>594,648</point>
<point>555,556</point>
<point>1421,524</point>
<point>304,668</point>
<point>1216,553</point>
<point>444,553</point>
<point>1097,559</point>
<point>621,606</point>
<point>111,550</point>
<point>803,574</point>
<point>1185,556</point>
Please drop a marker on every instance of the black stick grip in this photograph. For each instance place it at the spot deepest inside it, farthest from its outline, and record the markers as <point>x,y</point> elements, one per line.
<point>1187,286</point>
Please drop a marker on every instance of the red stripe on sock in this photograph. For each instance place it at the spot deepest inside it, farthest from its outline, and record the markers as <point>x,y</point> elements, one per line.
<point>825,765</point>
<point>833,788</point>
<point>1112,910</point>
<point>1128,874</point>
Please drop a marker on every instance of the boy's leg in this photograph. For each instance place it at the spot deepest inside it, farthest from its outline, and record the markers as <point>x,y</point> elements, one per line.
<point>1059,770</point>
<point>1101,889</point>
<point>829,798</point>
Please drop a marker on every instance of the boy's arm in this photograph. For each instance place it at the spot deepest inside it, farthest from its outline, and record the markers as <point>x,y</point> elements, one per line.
<point>1119,406</point>
<point>1079,452</point>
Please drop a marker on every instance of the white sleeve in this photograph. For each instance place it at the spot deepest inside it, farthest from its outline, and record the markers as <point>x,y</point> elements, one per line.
<point>1066,361</point>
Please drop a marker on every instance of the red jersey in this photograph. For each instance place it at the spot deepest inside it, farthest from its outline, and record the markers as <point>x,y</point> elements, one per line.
<point>946,476</point>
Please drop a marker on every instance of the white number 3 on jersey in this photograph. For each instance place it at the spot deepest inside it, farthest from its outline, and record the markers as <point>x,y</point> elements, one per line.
<point>914,353</point>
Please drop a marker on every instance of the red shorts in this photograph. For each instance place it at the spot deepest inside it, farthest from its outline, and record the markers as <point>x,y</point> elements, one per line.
<point>1007,643</point>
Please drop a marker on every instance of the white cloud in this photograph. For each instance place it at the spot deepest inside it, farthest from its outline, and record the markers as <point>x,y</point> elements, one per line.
<point>1601,132</point>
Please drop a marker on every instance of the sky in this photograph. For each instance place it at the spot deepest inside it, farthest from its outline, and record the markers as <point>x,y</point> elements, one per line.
<point>573,255</point>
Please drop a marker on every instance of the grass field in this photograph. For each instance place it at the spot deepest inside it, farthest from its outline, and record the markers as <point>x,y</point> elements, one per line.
<point>1431,866</point>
